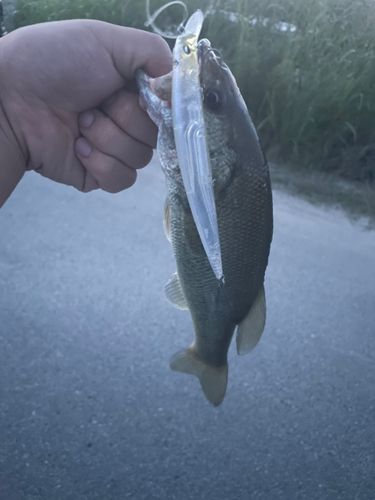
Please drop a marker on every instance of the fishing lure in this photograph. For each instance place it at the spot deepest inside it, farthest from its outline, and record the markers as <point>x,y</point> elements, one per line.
<point>190,139</point>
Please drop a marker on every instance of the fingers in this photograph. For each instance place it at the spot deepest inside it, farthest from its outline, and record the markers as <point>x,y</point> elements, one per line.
<point>110,174</point>
<point>118,138</point>
<point>115,142</point>
<point>111,140</point>
<point>108,153</point>
<point>124,109</point>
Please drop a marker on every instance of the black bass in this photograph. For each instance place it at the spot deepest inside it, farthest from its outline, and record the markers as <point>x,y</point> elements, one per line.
<point>244,211</point>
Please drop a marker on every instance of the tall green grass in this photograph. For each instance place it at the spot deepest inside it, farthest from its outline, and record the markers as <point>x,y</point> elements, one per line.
<point>310,87</point>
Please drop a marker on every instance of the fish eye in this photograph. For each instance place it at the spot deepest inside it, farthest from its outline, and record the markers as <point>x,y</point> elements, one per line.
<point>212,98</point>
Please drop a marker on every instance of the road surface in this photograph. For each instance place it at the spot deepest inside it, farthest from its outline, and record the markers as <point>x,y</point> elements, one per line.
<point>89,408</point>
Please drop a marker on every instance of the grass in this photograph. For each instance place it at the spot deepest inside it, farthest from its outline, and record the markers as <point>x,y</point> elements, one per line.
<point>309,83</point>
<point>310,88</point>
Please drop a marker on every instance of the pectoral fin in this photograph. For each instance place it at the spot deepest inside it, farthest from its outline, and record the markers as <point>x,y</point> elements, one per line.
<point>174,293</point>
<point>213,379</point>
<point>251,327</point>
<point>166,221</point>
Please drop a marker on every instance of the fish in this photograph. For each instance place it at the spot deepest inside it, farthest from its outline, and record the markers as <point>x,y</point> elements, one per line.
<point>243,199</point>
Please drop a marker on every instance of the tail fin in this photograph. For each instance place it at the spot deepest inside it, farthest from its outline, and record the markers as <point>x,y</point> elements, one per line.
<point>213,380</point>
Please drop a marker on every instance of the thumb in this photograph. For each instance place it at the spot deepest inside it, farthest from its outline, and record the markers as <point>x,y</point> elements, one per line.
<point>131,49</point>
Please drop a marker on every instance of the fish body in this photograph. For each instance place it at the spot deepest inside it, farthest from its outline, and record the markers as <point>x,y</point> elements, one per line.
<point>244,212</point>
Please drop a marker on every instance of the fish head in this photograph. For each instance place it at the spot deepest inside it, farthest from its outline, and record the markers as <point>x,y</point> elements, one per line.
<point>223,108</point>
<point>216,82</point>
<point>231,137</point>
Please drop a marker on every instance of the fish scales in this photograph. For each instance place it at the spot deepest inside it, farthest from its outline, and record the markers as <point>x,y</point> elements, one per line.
<point>244,212</point>
<point>215,309</point>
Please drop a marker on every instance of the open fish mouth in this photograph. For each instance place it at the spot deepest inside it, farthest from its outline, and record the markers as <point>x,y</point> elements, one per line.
<point>207,53</point>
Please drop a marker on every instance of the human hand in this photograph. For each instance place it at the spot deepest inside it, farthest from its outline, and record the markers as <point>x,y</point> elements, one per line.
<point>63,92</point>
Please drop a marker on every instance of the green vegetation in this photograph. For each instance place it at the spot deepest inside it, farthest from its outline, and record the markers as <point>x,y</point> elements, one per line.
<point>309,83</point>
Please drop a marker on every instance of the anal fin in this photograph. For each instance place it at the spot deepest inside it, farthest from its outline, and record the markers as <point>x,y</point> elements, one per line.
<point>174,293</point>
<point>251,327</point>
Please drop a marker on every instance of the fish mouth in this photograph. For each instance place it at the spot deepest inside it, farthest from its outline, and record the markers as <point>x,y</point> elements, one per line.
<point>207,53</point>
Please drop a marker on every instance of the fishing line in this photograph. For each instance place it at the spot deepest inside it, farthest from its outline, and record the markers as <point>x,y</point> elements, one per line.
<point>151,19</point>
<point>180,29</point>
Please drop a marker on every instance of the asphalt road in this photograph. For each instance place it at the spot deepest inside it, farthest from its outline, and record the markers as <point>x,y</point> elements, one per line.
<point>88,406</point>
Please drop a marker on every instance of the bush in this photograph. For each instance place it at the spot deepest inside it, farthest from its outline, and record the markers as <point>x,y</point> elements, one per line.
<point>305,68</point>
